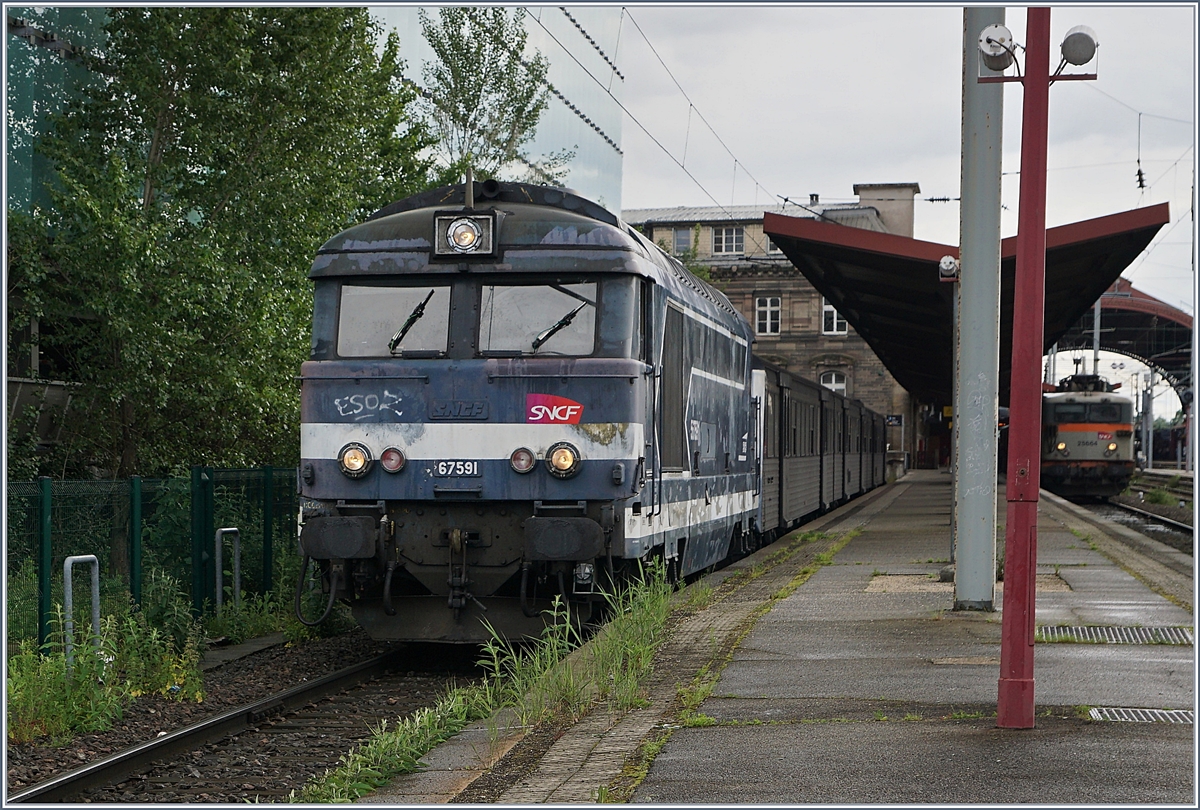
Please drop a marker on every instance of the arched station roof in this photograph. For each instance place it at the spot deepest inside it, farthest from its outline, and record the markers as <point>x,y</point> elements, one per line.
<point>888,288</point>
<point>1140,326</point>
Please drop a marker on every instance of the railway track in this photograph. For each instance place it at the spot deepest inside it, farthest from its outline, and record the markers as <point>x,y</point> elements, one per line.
<point>1183,528</point>
<point>1169,532</point>
<point>258,752</point>
<point>1170,480</point>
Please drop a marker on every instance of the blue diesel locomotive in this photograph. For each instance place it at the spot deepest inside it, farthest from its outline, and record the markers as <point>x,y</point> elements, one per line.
<point>512,395</point>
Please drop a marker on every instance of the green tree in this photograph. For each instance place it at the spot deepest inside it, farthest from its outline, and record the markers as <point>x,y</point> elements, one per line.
<point>214,151</point>
<point>484,96</point>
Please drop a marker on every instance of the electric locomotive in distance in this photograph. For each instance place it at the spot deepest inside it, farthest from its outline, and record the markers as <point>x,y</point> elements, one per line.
<point>1087,438</point>
<point>513,396</point>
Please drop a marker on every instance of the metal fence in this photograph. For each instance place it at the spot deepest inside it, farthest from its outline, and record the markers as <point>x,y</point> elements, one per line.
<point>140,526</point>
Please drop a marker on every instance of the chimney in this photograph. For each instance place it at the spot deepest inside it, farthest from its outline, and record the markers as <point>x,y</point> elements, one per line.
<point>894,202</point>
<point>813,199</point>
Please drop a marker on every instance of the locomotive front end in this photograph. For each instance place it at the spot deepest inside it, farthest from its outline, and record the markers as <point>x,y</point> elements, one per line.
<point>472,414</point>
<point>1087,439</point>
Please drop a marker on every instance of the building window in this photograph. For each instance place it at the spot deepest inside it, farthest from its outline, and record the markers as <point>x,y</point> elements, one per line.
<point>766,309</point>
<point>772,247</point>
<point>832,323</point>
<point>728,240</point>
<point>683,240</point>
<point>835,381</point>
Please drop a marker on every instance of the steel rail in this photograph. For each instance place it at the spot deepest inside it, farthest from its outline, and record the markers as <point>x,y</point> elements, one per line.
<point>1147,480</point>
<point>1174,524</point>
<point>137,758</point>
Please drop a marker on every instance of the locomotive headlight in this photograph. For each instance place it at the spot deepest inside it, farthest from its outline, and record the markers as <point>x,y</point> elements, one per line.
<point>463,235</point>
<point>392,460</point>
<point>562,460</point>
<point>355,460</point>
<point>1112,448</point>
<point>522,459</point>
<point>1062,448</point>
<point>458,234</point>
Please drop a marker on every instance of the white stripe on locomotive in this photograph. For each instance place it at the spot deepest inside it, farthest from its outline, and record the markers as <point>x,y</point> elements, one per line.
<point>490,440</point>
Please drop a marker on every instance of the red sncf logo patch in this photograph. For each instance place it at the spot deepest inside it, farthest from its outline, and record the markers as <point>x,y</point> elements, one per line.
<point>1103,436</point>
<point>549,409</point>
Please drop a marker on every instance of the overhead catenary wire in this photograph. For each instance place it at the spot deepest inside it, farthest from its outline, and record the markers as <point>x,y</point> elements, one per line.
<point>1134,109</point>
<point>691,104</point>
<point>1161,238</point>
<point>635,120</point>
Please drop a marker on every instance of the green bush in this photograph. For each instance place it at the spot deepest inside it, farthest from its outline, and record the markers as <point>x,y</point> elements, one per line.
<point>155,648</point>
<point>257,615</point>
<point>1161,497</point>
<point>45,700</point>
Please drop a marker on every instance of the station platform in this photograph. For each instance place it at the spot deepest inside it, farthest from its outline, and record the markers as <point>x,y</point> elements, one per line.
<point>861,685</point>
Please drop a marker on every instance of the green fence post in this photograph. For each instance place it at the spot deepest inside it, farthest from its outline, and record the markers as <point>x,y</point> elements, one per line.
<point>268,524</point>
<point>197,514</point>
<point>135,538</point>
<point>45,561</point>
<point>210,524</point>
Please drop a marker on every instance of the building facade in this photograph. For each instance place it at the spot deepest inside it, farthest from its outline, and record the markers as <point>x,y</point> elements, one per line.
<point>795,327</point>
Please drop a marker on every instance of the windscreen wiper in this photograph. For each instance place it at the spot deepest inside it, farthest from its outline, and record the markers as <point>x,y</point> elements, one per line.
<point>413,317</point>
<point>558,327</point>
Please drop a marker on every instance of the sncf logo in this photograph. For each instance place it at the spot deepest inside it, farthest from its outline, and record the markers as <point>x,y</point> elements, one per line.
<point>1103,436</point>
<point>549,409</point>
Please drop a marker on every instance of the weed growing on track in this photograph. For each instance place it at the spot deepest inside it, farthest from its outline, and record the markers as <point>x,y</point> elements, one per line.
<point>539,681</point>
<point>390,753</point>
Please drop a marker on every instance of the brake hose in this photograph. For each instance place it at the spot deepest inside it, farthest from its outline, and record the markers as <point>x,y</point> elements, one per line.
<point>530,612</point>
<point>333,586</point>
<point>388,608</point>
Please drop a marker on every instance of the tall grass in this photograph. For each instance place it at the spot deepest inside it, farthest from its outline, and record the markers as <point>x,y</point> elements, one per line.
<point>538,680</point>
<point>140,652</point>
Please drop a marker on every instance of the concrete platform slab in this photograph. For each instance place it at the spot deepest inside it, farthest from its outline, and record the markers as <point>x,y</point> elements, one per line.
<point>926,761</point>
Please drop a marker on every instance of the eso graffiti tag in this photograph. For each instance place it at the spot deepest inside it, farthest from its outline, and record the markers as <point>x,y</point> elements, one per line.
<point>364,406</point>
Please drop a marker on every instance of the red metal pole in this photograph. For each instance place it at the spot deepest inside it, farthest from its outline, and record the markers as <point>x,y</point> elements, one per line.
<point>1015,701</point>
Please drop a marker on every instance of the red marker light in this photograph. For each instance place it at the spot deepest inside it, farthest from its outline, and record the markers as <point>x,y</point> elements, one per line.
<point>392,460</point>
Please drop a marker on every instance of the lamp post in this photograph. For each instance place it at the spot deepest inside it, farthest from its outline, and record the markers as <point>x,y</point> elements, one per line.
<point>1014,707</point>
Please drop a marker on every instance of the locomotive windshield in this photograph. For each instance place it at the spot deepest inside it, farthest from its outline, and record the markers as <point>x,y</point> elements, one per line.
<point>538,319</point>
<point>372,317</point>
<point>598,316</point>
<point>1066,413</point>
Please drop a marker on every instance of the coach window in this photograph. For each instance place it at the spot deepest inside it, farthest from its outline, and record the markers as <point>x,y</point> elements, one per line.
<point>832,323</point>
<point>729,240</point>
<point>766,308</point>
<point>381,321</point>
<point>770,427</point>
<point>812,430</point>
<point>835,381</point>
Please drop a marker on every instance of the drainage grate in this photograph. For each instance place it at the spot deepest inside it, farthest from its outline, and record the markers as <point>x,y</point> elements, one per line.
<point>1143,715</point>
<point>1117,635</point>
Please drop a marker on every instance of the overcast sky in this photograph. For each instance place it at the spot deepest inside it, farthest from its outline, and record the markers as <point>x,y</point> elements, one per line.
<point>814,100</point>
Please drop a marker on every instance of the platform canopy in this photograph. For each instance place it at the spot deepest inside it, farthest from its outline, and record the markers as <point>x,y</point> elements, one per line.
<point>1140,326</point>
<point>888,288</point>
